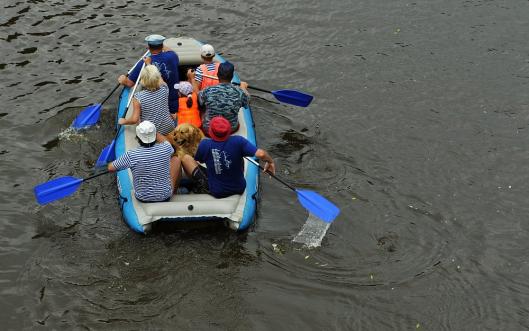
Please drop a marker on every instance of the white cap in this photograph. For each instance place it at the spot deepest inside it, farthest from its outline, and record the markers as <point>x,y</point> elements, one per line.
<point>146,131</point>
<point>154,39</point>
<point>207,50</point>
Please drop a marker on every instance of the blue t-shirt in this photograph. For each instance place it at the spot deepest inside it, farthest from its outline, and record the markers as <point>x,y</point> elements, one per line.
<point>167,63</point>
<point>224,161</point>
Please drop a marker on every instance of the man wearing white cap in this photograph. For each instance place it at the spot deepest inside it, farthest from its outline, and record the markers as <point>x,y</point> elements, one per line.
<point>167,62</point>
<point>155,172</point>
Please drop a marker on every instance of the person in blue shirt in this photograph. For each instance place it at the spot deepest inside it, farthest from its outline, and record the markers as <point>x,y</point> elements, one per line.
<point>223,155</point>
<point>167,63</point>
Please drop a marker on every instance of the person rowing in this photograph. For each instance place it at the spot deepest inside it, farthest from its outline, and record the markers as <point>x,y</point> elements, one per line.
<point>155,172</point>
<point>223,155</point>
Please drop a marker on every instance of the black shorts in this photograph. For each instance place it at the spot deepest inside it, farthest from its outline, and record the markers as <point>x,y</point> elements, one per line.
<point>200,180</point>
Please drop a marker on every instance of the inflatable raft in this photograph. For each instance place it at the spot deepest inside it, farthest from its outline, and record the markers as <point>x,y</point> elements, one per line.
<point>236,211</point>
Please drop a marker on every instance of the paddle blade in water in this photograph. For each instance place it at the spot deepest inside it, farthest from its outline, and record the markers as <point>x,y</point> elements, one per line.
<point>56,189</point>
<point>293,97</point>
<point>88,117</point>
<point>318,205</point>
<point>107,155</point>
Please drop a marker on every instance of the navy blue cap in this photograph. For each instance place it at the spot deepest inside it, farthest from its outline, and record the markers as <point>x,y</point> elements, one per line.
<point>226,70</point>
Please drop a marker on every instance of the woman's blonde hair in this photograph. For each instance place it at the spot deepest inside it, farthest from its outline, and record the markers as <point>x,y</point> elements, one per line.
<point>150,77</point>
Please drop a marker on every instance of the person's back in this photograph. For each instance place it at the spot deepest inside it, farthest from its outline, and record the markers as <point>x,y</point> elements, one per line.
<point>208,68</point>
<point>224,162</point>
<point>223,155</point>
<point>188,111</point>
<point>155,172</point>
<point>167,63</point>
<point>224,99</point>
<point>150,104</point>
<point>150,171</point>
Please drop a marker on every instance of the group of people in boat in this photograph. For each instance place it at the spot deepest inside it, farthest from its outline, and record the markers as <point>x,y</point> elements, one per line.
<point>206,100</point>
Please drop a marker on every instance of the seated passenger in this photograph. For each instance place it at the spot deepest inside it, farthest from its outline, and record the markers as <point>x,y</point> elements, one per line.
<point>224,99</point>
<point>208,67</point>
<point>188,111</point>
<point>150,104</point>
<point>167,63</point>
<point>223,155</point>
<point>155,172</point>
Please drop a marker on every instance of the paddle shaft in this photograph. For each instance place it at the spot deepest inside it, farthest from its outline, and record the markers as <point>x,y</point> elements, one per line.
<point>271,174</point>
<point>117,86</point>
<point>130,99</point>
<point>96,175</point>
<point>250,87</point>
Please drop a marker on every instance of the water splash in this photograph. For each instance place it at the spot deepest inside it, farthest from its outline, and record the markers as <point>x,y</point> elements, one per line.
<point>312,232</point>
<point>70,133</point>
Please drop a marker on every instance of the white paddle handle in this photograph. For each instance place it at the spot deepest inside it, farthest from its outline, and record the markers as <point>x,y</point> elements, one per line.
<point>135,86</point>
<point>208,76</point>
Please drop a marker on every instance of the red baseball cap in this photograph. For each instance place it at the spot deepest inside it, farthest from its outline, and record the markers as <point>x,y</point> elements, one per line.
<point>219,128</point>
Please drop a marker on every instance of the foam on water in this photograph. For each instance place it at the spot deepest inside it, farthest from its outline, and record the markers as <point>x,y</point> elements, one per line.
<point>312,232</point>
<point>70,132</point>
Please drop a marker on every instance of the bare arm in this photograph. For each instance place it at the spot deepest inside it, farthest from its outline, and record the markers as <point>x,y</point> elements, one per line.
<point>111,167</point>
<point>135,118</point>
<point>192,80</point>
<point>161,138</point>
<point>263,155</point>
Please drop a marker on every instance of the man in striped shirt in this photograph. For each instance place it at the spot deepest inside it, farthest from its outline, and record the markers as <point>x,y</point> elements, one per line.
<point>224,99</point>
<point>155,172</point>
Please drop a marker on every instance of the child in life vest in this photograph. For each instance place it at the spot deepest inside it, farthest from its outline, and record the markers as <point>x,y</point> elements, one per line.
<point>188,111</point>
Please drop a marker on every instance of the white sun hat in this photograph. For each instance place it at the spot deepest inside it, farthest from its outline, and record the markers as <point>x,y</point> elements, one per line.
<point>146,131</point>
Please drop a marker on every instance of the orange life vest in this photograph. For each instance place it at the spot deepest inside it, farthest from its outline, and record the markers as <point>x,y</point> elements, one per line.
<point>189,115</point>
<point>206,81</point>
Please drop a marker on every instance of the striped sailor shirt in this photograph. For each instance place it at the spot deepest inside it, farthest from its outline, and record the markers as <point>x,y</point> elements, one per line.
<point>154,108</point>
<point>199,73</point>
<point>150,171</point>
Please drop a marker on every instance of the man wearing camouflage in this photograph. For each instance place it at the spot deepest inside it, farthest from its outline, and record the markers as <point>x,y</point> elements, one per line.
<point>224,99</point>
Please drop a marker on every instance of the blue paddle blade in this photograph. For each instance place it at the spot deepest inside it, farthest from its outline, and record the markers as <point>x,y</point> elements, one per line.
<point>318,205</point>
<point>56,189</point>
<point>88,117</point>
<point>293,97</point>
<point>107,155</point>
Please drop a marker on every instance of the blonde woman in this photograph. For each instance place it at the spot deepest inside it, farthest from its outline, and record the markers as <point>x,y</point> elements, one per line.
<point>151,103</point>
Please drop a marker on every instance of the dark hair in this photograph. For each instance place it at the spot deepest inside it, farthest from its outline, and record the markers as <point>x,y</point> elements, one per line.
<point>225,71</point>
<point>155,47</point>
<point>142,144</point>
<point>189,101</point>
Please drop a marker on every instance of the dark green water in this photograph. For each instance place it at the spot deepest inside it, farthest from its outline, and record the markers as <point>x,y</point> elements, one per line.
<point>418,131</point>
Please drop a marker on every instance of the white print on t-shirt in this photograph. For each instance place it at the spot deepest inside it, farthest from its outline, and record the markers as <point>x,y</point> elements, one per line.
<point>220,157</point>
<point>216,161</point>
<point>163,69</point>
<point>227,161</point>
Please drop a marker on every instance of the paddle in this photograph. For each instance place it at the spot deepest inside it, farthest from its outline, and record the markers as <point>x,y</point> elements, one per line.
<point>312,201</point>
<point>108,153</point>
<point>60,187</point>
<point>90,115</point>
<point>292,97</point>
